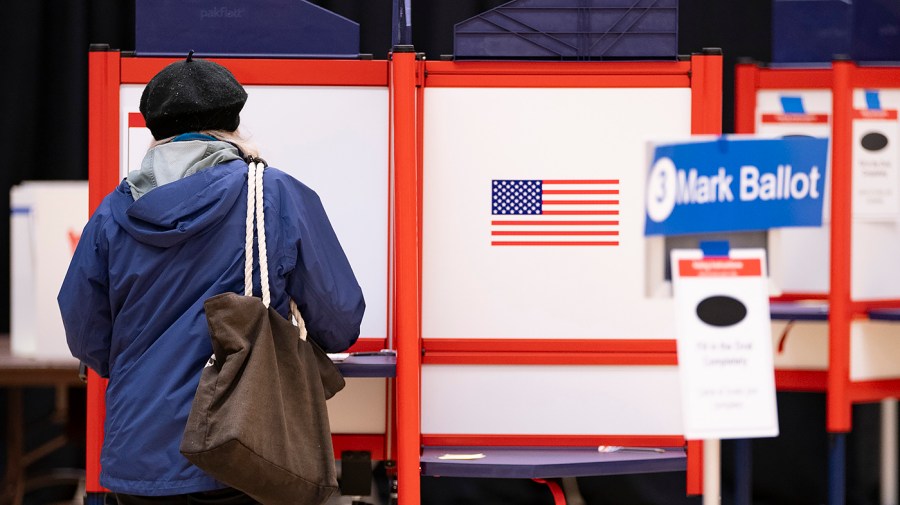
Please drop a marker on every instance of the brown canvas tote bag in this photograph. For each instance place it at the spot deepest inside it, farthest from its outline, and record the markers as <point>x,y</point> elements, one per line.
<point>258,422</point>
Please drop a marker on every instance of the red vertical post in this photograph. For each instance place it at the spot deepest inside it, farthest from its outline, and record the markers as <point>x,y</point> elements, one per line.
<point>103,174</point>
<point>745,75</point>
<point>694,467</point>
<point>408,327</point>
<point>839,418</point>
<point>706,92</point>
<point>706,119</point>
<point>420,151</point>
<point>103,123</point>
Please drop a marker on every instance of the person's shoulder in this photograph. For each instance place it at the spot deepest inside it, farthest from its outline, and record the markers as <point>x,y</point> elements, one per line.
<point>286,180</point>
<point>103,218</point>
<point>277,173</point>
<point>117,199</point>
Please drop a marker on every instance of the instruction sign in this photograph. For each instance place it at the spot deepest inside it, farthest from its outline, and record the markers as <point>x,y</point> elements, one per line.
<point>876,159</point>
<point>723,332</point>
<point>735,184</point>
<point>796,113</point>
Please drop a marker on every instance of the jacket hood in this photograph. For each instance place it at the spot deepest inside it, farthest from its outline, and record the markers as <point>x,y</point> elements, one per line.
<point>179,210</point>
<point>176,160</point>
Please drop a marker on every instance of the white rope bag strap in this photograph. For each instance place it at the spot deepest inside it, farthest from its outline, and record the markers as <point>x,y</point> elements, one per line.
<point>298,319</point>
<point>248,227</point>
<point>255,210</point>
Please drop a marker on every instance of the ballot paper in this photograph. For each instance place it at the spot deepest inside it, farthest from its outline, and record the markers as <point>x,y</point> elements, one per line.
<point>461,457</point>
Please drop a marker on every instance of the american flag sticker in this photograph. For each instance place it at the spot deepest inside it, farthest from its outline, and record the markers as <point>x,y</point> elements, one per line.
<point>555,212</point>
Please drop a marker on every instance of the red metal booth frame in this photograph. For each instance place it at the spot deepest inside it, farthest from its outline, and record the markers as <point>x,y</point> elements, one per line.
<point>841,80</point>
<point>702,74</point>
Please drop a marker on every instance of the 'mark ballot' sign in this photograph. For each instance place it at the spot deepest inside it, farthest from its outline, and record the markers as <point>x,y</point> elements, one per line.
<point>736,184</point>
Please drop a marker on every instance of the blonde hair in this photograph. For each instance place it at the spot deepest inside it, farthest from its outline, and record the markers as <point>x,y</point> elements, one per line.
<point>241,141</point>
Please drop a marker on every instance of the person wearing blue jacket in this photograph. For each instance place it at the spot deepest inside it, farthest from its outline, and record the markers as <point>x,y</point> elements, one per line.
<point>167,238</point>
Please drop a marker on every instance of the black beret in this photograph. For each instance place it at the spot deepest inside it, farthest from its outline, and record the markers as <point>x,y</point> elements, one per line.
<point>192,95</point>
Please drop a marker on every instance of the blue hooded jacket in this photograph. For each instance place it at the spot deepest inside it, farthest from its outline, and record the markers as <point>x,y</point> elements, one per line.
<point>132,304</point>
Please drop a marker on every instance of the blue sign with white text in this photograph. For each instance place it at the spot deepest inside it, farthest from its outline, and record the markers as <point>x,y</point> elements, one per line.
<point>736,184</point>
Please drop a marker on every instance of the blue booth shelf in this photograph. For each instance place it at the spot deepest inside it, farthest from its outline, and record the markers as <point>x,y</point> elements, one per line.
<point>548,462</point>
<point>571,30</point>
<point>370,365</point>
<point>262,28</point>
<point>795,311</point>
<point>884,315</point>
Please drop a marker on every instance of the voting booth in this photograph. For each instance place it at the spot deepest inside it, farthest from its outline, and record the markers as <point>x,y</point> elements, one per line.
<point>323,119</point>
<point>848,261</point>
<point>325,123</point>
<point>46,218</point>
<point>536,327</point>
<point>834,319</point>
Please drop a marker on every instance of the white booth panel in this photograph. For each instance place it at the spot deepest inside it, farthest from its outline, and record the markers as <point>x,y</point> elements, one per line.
<point>875,269</point>
<point>46,220</point>
<point>799,260</point>
<point>551,399</point>
<point>335,140</point>
<point>473,136</point>
<point>799,257</point>
<point>805,347</point>
<point>815,101</point>
<point>874,348</point>
<point>360,408</point>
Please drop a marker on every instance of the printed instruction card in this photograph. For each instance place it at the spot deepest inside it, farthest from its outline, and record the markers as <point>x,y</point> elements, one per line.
<point>723,330</point>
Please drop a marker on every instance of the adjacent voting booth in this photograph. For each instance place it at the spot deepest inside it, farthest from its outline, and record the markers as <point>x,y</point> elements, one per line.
<point>326,123</point>
<point>852,255</point>
<point>44,232</point>
<point>536,330</point>
<point>838,299</point>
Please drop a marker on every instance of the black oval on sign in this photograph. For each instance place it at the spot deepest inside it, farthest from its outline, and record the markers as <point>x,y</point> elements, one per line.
<point>874,141</point>
<point>721,311</point>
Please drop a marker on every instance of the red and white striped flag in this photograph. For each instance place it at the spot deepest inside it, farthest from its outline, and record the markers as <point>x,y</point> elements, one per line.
<point>555,212</point>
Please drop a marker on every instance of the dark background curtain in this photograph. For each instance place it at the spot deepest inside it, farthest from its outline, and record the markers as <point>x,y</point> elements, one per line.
<point>43,135</point>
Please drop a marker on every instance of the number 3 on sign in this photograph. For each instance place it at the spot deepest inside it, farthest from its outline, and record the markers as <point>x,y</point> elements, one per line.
<point>661,190</point>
